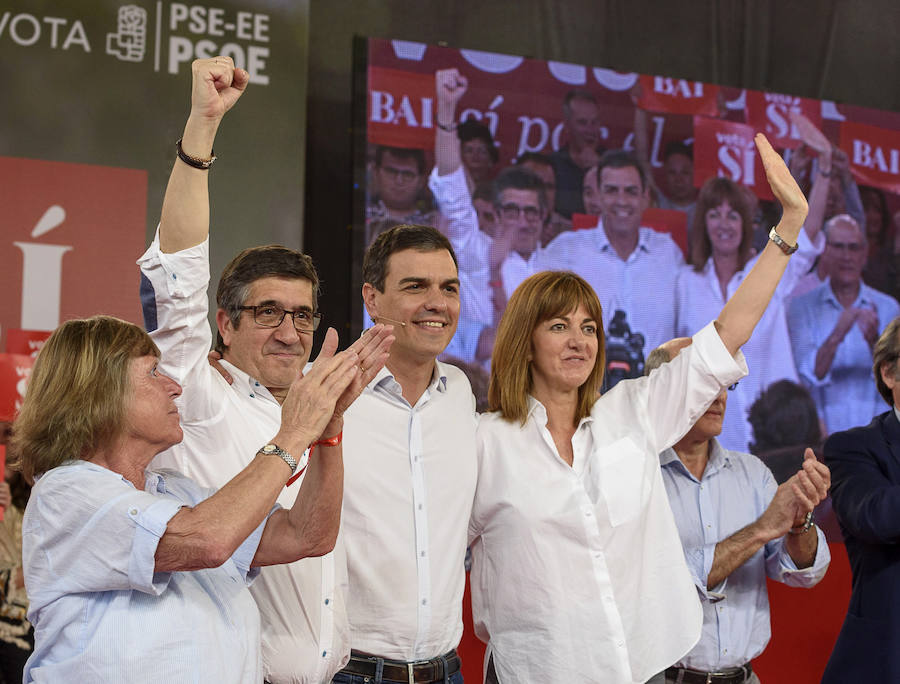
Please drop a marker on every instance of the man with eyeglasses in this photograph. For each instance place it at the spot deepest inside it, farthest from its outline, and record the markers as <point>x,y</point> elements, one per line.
<point>737,527</point>
<point>399,177</point>
<point>632,268</point>
<point>834,326</point>
<point>266,317</point>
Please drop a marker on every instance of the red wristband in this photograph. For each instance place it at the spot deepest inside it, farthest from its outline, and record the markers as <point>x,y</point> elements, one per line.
<point>331,441</point>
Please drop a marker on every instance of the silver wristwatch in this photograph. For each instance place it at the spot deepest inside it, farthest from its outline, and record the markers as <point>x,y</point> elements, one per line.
<point>282,454</point>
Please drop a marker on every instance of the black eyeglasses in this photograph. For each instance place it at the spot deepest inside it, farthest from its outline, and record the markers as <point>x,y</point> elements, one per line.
<point>511,212</point>
<point>269,316</point>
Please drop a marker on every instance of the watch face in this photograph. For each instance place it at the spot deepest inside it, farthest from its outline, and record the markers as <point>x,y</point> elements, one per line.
<point>269,448</point>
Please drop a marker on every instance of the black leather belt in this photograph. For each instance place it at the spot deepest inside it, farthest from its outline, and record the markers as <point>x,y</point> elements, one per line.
<point>733,675</point>
<point>415,672</point>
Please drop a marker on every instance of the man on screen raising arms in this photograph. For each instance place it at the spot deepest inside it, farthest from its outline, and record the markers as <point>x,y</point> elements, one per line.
<point>266,317</point>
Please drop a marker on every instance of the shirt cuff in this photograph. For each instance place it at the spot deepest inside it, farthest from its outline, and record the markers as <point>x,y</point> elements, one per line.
<point>150,526</point>
<point>805,577</point>
<point>727,369</point>
<point>243,555</point>
<point>451,192</point>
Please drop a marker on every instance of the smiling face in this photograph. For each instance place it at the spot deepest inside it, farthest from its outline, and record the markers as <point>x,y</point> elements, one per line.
<point>421,290</point>
<point>273,356</point>
<point>151,416</point>
<point>621,199</point>
<point>724,228</point>
<point>564,350</point>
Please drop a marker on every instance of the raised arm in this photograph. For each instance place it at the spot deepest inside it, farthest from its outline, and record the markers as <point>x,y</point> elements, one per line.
<point>184,221</point>
<point>742,312</point>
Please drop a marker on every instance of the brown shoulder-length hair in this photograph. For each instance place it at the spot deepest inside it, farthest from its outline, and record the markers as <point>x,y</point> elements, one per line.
<point>715,191</point>
<point>885,354</point>
<point>541,297</point>
<point>75,400</point>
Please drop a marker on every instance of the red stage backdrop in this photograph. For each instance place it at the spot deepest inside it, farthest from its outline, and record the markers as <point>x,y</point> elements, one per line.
<point>71,234</point>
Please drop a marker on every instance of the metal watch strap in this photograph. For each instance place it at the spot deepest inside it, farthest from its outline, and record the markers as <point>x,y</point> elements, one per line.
<point>782,244</point>
<point>276,450</point>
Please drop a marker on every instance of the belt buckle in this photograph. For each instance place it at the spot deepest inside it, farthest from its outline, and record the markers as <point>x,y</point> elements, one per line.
<point>409,671</point>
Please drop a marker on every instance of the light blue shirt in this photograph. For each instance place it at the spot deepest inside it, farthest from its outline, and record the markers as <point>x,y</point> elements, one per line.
<point>99,611</point>
<point>735,490</point>
<point>847,396</point>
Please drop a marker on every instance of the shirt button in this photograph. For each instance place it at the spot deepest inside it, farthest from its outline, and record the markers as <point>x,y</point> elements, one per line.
<point>324,653</point>
<point>133,511</point>
<point>422,554</point>
<point>252,396</point>
<point>420,507</point>
<point>424,602</point>
<point>327,601</point>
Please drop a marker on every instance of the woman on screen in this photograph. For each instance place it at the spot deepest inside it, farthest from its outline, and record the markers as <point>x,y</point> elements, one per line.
<point>720,256</point>
<point>578,573</point>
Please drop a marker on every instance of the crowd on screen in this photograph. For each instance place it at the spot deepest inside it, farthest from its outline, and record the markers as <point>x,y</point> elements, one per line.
<point>661,291</point>
<point>248,515</point>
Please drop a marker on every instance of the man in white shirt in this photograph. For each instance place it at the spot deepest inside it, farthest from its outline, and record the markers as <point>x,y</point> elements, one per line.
<point>266,316</point>
<point>409,447</point>
<point>631,268</point>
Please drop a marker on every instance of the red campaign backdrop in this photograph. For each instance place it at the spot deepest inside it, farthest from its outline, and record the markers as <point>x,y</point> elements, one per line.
<point>14,372</point>
<point>26,341</point>
<point>520,100</point>
<point>874,154</point>
<point>678,96</point>
<point>725,148</point>
<point>770,113</point>
<point>70,236</point>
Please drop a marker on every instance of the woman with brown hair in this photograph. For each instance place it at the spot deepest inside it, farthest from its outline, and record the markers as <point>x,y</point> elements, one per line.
<point>721,254</point>
<point>578,573</point>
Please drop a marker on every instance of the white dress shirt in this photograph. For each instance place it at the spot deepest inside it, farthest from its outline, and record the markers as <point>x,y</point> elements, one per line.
<point>408,488</point>
<point>643,285</point>
<point>304,629</point>
<point>577,572</point>
<point>699,300</point>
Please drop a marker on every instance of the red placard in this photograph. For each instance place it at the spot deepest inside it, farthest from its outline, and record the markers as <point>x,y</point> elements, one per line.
<point>669,221</point>
<point>726,148</point>
<point>26,341</point>
<point>14,372</point>
<point>678,96</point>
<point>400,108</point>
<point>769,113</point>
<point>874,154</point>
<point>71,234</point>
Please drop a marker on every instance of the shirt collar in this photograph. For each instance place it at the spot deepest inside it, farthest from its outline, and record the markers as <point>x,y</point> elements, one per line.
<point>897,413</point>
<point>386,381</point>
<point>537,409</point>
<point>718,459</point>
<point>244,383</point>
<point>602,239</point>
<point>863,297</point>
